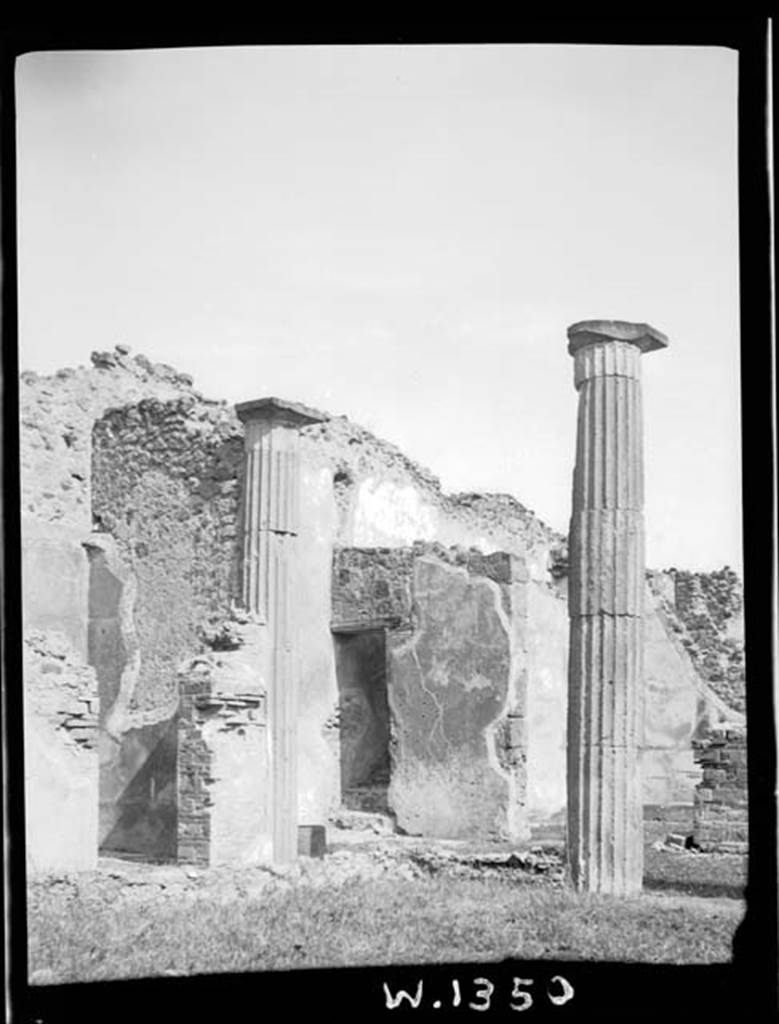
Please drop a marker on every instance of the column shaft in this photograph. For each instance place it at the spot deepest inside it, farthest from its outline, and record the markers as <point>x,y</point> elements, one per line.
<point>606,588</point>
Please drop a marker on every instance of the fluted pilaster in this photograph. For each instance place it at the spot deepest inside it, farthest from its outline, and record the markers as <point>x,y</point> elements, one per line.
<point>270,506</point>
<point>606,588</point>
<point>268,581</point>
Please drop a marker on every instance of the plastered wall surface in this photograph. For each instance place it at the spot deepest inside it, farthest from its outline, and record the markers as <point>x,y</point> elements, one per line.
<point>318,764</point>
<point>455,675</point>
<point>55,580</point>
<point>672,695</point>
<point>61,770</point>
<point>447,688</point>
<point>547,647</point>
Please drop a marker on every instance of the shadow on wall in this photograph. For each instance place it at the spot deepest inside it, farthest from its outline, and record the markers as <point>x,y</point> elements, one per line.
<point>361,671</point>
<point>143,814</point>
<point>137,763</point>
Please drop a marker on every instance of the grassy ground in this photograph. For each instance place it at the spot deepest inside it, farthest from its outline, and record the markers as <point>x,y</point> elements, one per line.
<point>687,914</point>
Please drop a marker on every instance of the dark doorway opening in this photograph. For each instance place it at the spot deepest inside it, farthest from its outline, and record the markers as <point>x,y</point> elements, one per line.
<point>361,671</point>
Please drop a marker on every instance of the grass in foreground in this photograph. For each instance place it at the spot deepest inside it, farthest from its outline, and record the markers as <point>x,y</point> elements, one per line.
<point>431,920</point>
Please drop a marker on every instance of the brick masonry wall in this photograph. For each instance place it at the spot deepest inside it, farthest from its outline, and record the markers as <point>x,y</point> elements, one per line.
<point>721,808</point>
<point>222,773</point>
<point>194,768</point>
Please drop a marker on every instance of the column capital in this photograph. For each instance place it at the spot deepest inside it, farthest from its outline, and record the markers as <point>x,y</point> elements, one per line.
<point>598,332</point>
<point>278,410</point>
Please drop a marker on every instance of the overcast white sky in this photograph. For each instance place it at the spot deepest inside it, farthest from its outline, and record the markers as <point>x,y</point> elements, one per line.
<point>403,234</point>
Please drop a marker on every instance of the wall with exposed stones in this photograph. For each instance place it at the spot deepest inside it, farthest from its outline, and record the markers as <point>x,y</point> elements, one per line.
<point>164,494</point>
<point>56,417</point>
<point>57,414</point>
<point>61,767</point>
<point>705,613</point>
<point>721,801</point>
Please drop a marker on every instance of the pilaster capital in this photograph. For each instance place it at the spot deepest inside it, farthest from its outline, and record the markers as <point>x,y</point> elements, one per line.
<point>278,411</point>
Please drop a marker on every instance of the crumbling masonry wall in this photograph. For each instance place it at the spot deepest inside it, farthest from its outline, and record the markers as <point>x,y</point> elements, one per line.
<point>56,417</point>
<point>456,677</point>
<point>704,612</point>
<point>164,491</point>
<point>356,490</point>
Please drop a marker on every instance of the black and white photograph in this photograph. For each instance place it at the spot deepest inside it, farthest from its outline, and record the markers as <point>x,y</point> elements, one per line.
<point>382,529</point>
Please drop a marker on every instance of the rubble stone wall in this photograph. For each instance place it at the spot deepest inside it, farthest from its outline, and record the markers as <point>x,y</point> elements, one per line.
<point>705,613</point>
<point>165,488</point>
<point>57,413</point>
<point>164,493</point>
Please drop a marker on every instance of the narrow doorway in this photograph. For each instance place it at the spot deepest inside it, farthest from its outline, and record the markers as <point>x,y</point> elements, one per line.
<point>361,671</point>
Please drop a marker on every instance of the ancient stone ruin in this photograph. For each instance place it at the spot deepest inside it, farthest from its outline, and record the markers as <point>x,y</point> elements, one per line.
<point>242,625</point>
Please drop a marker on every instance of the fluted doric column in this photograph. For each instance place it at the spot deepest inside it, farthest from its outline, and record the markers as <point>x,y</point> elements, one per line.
<point>605,605</point>
<point>268,582</point>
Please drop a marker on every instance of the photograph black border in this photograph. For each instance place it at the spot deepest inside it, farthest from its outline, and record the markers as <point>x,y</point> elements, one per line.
<point>603,990</point>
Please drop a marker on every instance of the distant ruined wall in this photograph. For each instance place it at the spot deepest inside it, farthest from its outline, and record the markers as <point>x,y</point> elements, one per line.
<point>705,612</point>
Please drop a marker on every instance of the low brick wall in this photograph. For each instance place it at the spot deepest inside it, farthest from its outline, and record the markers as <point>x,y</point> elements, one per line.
<point>223,773</point>
<point>193,769</point>
<point>721,808</point>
